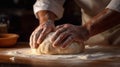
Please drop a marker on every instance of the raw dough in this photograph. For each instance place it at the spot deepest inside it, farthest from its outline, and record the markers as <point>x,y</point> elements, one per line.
<point>46,48</point>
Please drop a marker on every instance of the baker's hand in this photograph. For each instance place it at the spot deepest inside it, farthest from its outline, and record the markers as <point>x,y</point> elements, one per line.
<point>40,33</point>
<point>67,33</point>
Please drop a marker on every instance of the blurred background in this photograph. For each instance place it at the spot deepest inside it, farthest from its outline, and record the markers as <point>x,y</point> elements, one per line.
<point>22,21</point>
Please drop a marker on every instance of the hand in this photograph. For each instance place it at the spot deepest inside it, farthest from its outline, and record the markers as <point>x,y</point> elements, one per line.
<point>67,33</point>
<point>40,33</point>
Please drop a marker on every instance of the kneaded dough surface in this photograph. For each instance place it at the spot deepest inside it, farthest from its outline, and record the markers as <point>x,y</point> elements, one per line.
<point>46,47</point>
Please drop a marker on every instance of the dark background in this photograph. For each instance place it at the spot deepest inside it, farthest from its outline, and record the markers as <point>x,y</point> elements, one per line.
<point>23,21</point>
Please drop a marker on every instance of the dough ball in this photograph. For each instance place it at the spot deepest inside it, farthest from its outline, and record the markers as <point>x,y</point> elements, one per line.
<point>46,47</point>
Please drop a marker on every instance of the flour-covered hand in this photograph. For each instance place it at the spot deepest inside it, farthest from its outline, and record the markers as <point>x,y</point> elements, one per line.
<point>40,33</point>
<point>68,33</point>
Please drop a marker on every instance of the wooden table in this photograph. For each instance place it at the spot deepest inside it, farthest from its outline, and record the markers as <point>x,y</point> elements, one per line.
<point>6,61</point>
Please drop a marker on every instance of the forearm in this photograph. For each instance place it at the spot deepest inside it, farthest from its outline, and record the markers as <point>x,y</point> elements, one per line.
<point>45,15</point>
<point>103,21</point>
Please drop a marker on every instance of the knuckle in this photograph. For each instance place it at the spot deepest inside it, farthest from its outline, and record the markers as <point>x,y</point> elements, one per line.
<point>71,37</point>
<point>58,31</point>
<point>63,34</point>
<point>67,25</point>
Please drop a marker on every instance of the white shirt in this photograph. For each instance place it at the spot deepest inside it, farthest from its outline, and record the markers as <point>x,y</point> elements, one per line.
<point>89,8</point>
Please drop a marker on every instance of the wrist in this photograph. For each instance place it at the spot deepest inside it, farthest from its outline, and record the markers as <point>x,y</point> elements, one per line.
<point>86,33</point>
<point>46,21</point>
<point>45,16</point>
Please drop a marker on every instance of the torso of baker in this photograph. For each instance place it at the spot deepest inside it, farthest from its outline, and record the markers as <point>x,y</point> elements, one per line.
<point>90,8</point>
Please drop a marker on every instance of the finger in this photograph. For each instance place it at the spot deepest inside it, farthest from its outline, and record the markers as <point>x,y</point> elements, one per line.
<point>43,35</point>
<point>68,41</point>
<point>31,40</point>
<point>35,38</point>
<point>60,39</point>
<point>59,26</point>
<point>57,33</point>
<point>30,43</point>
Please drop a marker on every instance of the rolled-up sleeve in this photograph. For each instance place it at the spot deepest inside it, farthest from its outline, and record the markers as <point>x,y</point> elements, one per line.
<point>114,5</point>
<point>55,6</point>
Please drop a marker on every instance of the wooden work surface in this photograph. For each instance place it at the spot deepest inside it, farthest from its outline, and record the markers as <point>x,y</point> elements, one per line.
<point>6,60</point>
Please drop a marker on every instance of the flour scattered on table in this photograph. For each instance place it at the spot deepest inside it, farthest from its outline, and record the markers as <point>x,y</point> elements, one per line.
<point>91,53</point>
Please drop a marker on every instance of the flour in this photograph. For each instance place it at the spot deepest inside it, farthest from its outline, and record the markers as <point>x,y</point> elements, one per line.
<point>91,53</point>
